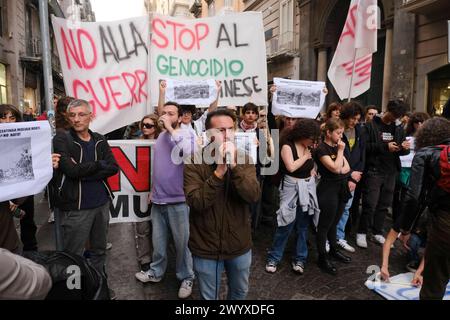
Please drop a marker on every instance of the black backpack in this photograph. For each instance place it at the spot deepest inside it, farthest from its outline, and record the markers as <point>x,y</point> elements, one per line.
<point>93,284</point>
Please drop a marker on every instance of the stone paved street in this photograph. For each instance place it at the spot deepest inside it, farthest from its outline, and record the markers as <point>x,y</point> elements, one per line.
<point>284,284</point>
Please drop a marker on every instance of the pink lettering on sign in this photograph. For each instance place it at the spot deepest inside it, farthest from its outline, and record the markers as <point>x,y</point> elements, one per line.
<point>113,90</point>
<point>176,36</point>
<point>363,68</point>
<point>350,24</point>
<point>75,50</point>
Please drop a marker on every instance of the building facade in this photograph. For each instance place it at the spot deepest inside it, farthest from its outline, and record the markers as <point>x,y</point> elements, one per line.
<point>21,79</point>
<point>411,63</point>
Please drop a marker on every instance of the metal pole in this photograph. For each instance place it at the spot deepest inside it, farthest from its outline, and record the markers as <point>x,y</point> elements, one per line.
<point>351,79</point>
<point>48,86</point>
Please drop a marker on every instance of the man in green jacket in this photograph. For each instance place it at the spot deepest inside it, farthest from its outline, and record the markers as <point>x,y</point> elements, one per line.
<point>218,191</point>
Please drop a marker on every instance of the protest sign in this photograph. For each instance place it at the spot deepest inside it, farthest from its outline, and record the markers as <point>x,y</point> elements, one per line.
<point>221,48</point>
<point>199,92</point>
<point>298,98</point>
<point>247,142</point>
<point>26,161</point>
<point>132,185</point>
<point>106,64</point>
<point>406,161</point>
<point>399,287</point>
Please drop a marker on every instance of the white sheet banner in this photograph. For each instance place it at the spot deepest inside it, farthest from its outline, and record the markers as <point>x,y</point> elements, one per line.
<point>406,161</point>
<point>199,92</point>
<point>106,63</point>
<point>230,48</point>
<point>298,98</point>
<point>26,160</point>
<point>399,287</point>
<point>132,185</point>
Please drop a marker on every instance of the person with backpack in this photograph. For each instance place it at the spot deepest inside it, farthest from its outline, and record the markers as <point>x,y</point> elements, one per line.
<point>430,183</point>
<point>298,199</point>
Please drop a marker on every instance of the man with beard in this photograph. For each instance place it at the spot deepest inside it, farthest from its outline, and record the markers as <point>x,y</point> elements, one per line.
<point>170,213</point>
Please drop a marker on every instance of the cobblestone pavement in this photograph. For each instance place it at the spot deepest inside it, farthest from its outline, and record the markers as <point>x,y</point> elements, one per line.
<point>283,285</point>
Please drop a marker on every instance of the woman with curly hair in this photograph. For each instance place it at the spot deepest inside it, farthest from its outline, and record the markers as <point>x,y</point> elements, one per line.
<point>298,199</point>
<point>429,185</point>
<point>149,127</point>
<point>414,123</point>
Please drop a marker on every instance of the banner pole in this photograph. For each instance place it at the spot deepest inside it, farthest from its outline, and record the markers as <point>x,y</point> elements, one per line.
<point>353,74</point>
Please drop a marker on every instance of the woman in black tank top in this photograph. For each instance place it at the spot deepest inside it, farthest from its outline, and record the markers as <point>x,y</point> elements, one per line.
<point>296,164</point>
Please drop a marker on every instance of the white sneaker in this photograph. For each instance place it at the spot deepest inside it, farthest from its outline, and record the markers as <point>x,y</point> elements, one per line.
<point>271,267</point>
<point>185,288</point>
<point>344,245</point>
<point>108,246</point>
<point>146,276</point>
<point>327,246</point>
<point>379,239</point>
<point>361,240</point>
<point>51,218</point>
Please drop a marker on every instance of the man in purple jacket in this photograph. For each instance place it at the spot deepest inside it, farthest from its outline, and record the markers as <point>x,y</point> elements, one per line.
<point>170,213</point>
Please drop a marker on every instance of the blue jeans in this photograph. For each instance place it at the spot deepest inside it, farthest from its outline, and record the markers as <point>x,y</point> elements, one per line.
<point>209,275</point>
<point>415,242</point>
<point>281,237</point>
<point>340,229</point>
<point>176,218</point>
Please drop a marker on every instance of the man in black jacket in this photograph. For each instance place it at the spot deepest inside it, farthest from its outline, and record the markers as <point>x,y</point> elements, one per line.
<point>385,143</point>
<point>83,193</point>
<point>425,189</point>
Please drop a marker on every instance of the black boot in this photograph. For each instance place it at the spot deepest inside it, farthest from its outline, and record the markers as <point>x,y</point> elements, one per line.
<point>339,256</point>
<point>326,266</point>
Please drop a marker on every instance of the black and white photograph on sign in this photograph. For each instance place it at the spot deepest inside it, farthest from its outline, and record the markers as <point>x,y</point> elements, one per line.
<point>298,98</point>
<point>17,164</point>
<point>191,92</point>
<point>247,142</point>
<point>196,92</point>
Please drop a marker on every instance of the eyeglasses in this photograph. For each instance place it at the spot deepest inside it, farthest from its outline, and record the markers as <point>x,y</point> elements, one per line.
<point>80,115</point>
<point>148,125</point>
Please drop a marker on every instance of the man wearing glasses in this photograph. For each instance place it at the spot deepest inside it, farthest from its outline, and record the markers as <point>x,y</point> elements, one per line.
<point>84,195</point>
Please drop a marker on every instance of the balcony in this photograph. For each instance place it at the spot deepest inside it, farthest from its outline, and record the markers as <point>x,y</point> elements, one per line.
<point>284,46</point>
<point>34,47</point>
<point>425,7</point>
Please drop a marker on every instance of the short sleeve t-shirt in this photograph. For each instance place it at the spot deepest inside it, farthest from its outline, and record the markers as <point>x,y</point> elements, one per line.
<point>387,132</point>
<point>324,149</point>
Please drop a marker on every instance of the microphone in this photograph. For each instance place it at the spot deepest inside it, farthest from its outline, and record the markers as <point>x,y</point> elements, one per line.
<point>161,124</point>
<point>228,158</point>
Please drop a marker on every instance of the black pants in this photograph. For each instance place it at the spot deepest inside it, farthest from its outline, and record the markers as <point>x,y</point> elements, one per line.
<point>354,209</point>
<point>437,258</point>
<point>332,197</point>
<point>377,195</point>
<point>399,195</point>
<point>27,226</point>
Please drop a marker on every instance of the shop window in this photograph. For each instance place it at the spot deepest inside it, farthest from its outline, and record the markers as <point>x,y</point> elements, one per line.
<point>439,90</point>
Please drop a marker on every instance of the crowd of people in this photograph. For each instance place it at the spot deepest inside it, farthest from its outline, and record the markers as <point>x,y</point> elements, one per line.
<point>346,170</point>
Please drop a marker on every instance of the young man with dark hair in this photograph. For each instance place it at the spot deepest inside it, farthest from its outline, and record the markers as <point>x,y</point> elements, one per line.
<point>169,212</point>
<point>219,195</point>
<point>355,153</point>
<point>371,112</point>
<point>250,115</point>
<point>386,142</point>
